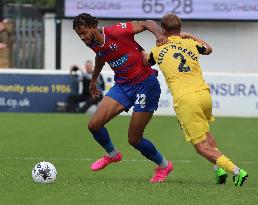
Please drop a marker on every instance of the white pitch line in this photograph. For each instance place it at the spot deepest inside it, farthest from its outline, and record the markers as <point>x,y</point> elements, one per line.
<point>91,159</point>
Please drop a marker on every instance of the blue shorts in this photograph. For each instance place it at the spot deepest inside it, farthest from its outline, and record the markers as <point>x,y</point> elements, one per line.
<point>144,96</point>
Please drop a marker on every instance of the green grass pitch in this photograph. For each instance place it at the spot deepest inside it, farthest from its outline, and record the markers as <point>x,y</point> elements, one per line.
<point>64,140</point>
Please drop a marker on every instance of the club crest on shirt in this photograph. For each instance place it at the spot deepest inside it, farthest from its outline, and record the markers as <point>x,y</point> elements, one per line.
<point>113,47</point>
<point>123,25</point>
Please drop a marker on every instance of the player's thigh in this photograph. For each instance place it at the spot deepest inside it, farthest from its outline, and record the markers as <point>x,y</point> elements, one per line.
<point>118,93</point>
<point>107,109</point>
<point>139,121</point>
<point>191,117</point>
<point>146,95</point>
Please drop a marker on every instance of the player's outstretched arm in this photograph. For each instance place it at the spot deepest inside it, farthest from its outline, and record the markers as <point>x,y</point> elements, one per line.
<point>153,27</point>
<point>204,43</point>
<point>99,63</point>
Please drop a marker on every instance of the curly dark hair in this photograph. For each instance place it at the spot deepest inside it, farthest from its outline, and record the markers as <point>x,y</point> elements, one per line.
<point>85,19</point>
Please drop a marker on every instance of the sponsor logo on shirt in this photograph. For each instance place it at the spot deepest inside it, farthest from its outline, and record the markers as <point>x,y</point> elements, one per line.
<point>118,62</point>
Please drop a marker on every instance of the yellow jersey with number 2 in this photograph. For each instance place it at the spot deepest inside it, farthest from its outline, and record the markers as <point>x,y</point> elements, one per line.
<point>179,62</point>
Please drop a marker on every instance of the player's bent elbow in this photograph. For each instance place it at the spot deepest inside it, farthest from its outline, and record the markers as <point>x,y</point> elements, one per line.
<point>209,51</point>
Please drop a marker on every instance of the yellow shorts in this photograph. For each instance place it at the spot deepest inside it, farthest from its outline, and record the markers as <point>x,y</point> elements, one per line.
<point>193,112</point>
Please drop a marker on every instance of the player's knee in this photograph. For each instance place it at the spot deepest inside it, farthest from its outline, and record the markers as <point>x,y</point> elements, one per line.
<point>134,136</point>
<point>133,140</point>
<point>93,126</point>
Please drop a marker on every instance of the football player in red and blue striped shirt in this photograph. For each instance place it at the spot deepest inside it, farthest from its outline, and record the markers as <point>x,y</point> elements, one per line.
<point>135,86</point>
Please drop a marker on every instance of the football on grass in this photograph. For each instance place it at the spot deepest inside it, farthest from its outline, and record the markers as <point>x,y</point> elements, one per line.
<point>44,172</point>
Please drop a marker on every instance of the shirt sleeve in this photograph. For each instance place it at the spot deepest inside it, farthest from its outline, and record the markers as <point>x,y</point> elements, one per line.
<point>199,46</point>
<point>201,49</point>
<point>151,59</point>
<point>122,29</point>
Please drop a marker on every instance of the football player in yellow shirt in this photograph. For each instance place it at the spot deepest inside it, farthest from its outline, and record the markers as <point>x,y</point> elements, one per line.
<point>178,60</point>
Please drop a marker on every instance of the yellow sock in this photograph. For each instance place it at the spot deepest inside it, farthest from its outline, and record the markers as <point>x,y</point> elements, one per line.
<point>225,163</point>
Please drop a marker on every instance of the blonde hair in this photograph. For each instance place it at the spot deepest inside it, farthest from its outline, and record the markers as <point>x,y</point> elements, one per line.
<point>171,23</point>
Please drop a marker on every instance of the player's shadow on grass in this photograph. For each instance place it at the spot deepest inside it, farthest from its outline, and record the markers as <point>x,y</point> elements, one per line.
<point>190,181</point>
<point>108,179</point>
<point>145,180</point>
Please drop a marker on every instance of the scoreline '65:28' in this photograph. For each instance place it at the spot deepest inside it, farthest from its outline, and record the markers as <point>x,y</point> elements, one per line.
<point>164,6</point>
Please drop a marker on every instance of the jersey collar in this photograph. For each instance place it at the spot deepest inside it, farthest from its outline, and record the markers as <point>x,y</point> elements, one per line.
<point>173,37</point>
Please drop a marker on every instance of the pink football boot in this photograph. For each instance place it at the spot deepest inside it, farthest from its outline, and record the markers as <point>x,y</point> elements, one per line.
<point>104,161</point>
<point>161,173</point>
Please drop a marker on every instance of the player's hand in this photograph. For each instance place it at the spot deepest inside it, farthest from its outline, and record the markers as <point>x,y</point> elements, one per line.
<point>161,40</point>
<point>94,92</point>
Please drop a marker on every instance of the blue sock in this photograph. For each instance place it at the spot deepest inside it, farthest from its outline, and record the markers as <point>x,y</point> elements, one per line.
<point>102,137</point>
<point>149,151</point>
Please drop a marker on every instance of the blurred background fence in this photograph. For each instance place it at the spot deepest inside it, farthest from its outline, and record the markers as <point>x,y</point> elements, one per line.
<point>24,33</point>
<point>28,45</point>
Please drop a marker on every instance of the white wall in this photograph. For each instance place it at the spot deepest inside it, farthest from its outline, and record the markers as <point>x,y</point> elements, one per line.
<point>50,44</point>
<point>235,45</point>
